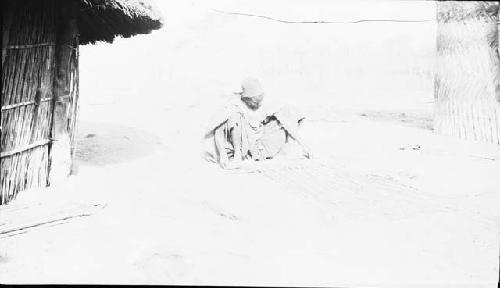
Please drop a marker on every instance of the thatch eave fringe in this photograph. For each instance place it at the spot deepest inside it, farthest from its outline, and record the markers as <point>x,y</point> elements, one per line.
<point>104,20</point>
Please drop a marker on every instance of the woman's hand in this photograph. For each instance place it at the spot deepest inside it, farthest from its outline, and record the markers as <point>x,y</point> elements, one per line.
<point>306,152</point>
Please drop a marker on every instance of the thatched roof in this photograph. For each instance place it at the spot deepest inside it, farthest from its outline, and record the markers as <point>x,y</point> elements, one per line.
<point>103,20</point>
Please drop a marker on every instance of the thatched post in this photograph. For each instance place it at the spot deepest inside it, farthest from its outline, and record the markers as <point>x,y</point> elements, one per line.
<point>467,82</point>
<point>67,26</point>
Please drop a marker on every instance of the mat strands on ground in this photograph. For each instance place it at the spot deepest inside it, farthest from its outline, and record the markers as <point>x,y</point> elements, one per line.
<point>20,218</point>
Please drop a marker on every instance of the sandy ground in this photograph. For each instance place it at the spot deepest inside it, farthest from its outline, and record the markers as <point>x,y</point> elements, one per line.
<point>383,204</point>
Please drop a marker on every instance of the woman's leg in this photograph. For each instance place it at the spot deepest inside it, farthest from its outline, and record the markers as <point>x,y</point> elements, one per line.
<point>221,145</point>
<point>235,130</point>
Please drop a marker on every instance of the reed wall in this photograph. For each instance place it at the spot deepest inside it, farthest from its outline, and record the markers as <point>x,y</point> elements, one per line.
<point>28,71</point>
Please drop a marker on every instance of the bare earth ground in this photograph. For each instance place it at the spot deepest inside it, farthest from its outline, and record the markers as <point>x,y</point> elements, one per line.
<point>385,203</point>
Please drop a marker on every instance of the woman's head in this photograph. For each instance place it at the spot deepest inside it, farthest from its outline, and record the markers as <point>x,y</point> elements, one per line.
<point>252,93</point>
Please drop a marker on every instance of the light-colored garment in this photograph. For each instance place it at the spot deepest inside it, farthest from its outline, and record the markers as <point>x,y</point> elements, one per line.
<point>264,132</point>
<point>258,143</point>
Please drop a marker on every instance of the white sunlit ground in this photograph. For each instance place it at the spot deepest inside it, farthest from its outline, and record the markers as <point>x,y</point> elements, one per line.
<point>384,203</point>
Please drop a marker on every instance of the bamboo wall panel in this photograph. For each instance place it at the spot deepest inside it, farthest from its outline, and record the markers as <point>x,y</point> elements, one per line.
<point>24,170</point>
<point>27,80</point>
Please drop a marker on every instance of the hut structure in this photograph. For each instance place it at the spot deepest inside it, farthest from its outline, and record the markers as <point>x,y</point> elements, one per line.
<point>467,82</point>
<point>40,41</point>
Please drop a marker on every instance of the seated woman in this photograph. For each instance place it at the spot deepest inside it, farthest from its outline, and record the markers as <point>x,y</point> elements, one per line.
<point>246,130</point>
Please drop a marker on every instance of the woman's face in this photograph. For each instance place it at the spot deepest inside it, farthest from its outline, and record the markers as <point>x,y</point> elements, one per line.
<point>253,103</point>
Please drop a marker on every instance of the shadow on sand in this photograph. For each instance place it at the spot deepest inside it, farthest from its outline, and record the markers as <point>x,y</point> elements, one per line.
<point>100,144</point>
